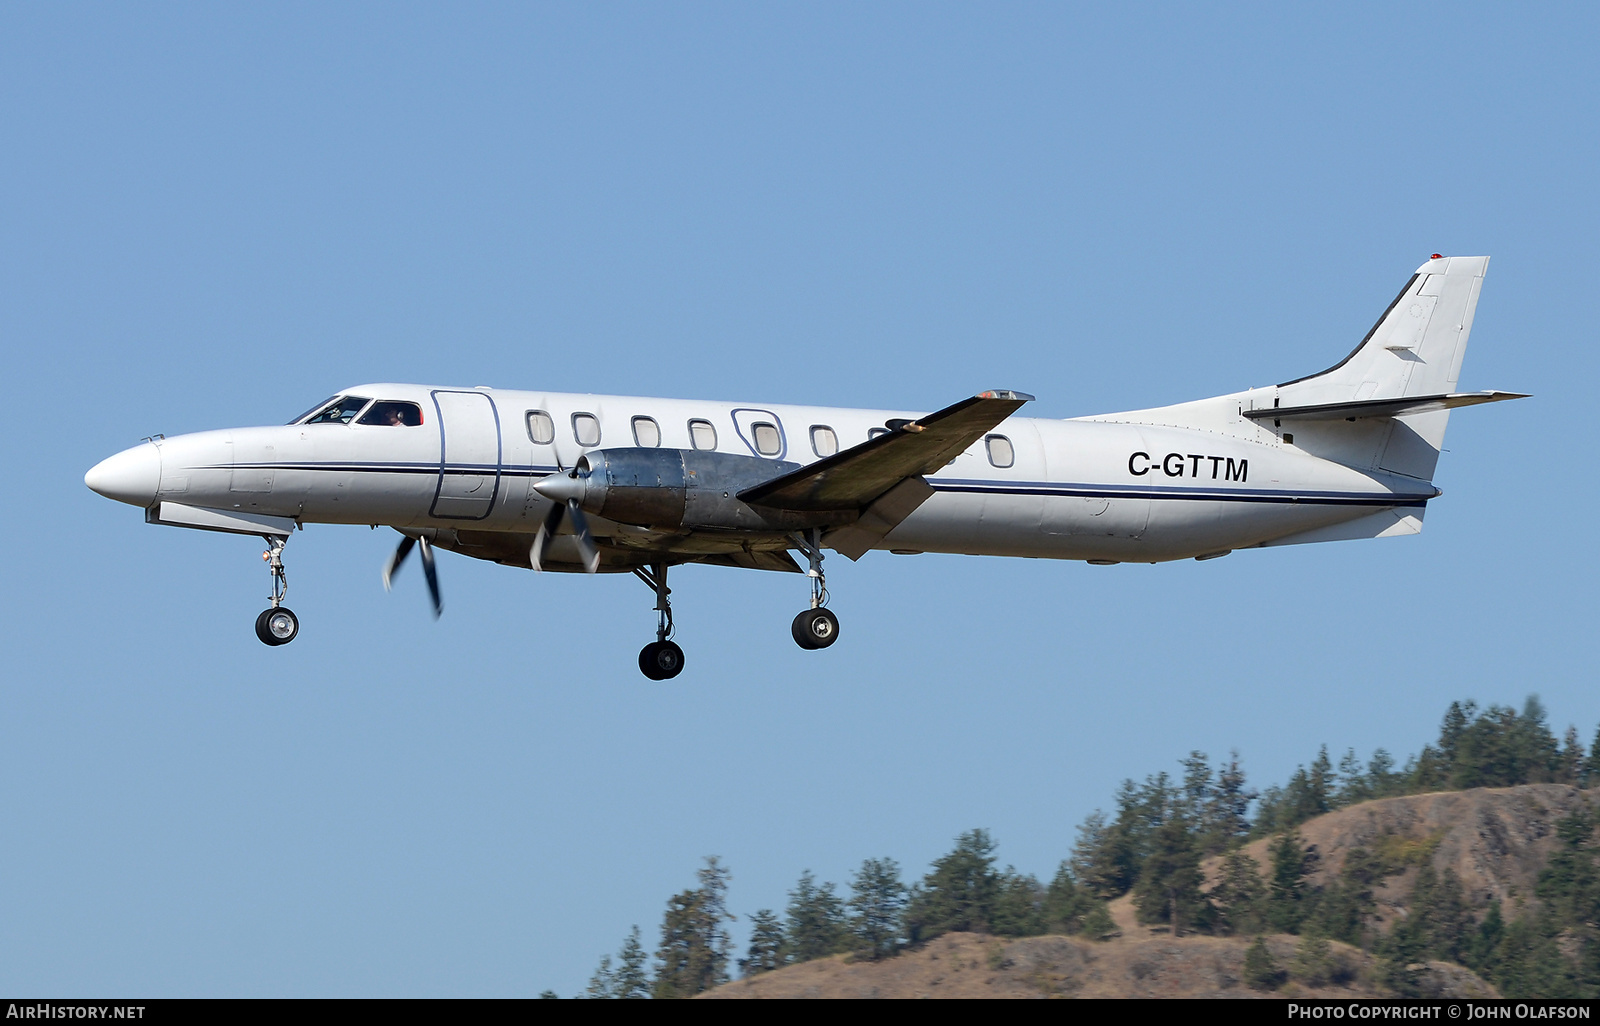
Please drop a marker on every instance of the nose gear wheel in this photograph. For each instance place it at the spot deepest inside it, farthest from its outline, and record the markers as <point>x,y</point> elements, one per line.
<point>277,625</point>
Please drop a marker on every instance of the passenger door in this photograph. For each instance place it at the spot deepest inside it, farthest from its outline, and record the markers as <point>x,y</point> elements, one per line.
<point>469,455</point>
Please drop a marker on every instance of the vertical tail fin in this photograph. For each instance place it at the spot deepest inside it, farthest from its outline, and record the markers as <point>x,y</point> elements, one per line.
<point>1415,349</point>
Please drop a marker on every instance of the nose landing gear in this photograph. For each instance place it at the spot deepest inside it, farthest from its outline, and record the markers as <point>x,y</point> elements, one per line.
<point>277,625</point>
<point>662,659</point>
<point>816,627</point>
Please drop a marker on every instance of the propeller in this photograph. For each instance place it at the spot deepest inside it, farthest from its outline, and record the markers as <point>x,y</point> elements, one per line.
<point>564,490</point>
<point>398,558</point>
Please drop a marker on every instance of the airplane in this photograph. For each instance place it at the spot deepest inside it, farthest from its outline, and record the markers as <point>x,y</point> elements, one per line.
<point>622,484</point>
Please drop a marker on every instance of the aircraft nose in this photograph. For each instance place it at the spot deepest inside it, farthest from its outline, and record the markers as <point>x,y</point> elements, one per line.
<point>132,476</point>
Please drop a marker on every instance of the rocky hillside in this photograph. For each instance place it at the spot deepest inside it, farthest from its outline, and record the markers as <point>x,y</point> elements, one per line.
<point>1496,840</point>
<point>965,965</point>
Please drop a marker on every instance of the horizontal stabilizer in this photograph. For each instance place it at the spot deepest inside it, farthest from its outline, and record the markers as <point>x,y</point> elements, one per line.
<point>1381,407</point>
<point>856,477</point>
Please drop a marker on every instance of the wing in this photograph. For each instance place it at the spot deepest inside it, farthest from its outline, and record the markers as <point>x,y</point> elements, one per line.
<point>857,477</point>
<point>881,479</point>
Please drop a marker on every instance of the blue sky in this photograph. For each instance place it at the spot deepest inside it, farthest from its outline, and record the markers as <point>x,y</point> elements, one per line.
<point>213,215</point>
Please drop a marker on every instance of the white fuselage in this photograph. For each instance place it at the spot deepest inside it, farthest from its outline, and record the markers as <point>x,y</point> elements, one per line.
<point>1122,488</point>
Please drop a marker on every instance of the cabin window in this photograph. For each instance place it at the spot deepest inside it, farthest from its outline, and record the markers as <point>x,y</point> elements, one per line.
<point>768,441</point>
<point>541,428</point>
<point>586,428</point>
<point>386,413</point>
<point>341,412</point>
<point>876,433</point>
<point>1001,454</point>
<point>823,441</point>
<point>702,435</point>
<point>646,432</point>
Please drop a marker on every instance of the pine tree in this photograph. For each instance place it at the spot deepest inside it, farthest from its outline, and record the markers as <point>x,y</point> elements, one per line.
<point>1168,890</point>
<point>1260,971</point>
<point>1097,922</point>
<point>1094,856</point>
<point>1238,897</point>
<point>1292,862</point>
<point>1065,903</point>
<point>1345,905</point>
<point>958,894</point>
<point>1353,783</point>
<point>766,944</point>
<point>1313,960</point>
<point>695,945</point>
<point>601,982</point>
<point>632,977</point>
<point>1322,783</point>
<point>1198,790</point>
<point>1018,906</point>
<point>1230,814</point>
<point>1572,769</point>
<point>877,902</point>
<point>1381,776</point>
<point>1490,933</point>
<point>816,926</point>
<point>1456,720</point>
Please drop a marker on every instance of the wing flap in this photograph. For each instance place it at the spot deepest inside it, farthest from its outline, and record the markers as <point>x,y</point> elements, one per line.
<point>858,476</point>
<point>1381,407</point>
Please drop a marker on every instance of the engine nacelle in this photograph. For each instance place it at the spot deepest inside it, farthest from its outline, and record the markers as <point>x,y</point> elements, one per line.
<point>673,488</point>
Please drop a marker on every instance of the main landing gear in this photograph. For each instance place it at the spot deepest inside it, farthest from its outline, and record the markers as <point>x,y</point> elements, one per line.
<point>816,627</point>
<point>662,659</point>
<point>277,625</point>
<point>813,628</point>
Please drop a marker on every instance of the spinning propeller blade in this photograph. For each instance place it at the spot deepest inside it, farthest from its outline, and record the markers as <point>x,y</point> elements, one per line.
<point>586,546</point>
<point>397,560</point>
<point>432,574</point>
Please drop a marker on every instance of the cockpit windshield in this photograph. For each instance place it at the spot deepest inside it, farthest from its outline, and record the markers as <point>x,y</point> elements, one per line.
<point>393,414</point>
<point>314,409</point>
<point>341,411</point>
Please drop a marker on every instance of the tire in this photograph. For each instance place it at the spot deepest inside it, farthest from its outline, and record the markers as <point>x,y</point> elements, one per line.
<point>668,660</point>
<point>661,660</point>
<point>647,660</point>
<point>815,628</point>
<point>277,626</point>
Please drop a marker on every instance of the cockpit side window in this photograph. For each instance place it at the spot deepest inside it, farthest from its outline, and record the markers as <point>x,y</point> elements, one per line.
<point>387,412</point>
<point>314,409</point>
<point>341,412</point>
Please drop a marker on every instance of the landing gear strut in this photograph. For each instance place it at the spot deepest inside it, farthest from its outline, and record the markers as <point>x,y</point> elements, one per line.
<point>816,627</point>
<point>277,625</point>
<point>662,659</point>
